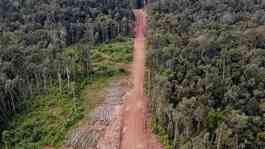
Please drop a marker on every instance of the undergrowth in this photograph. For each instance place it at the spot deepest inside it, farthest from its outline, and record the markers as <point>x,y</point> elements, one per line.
<point>46,118</point>
<point>161,132</point>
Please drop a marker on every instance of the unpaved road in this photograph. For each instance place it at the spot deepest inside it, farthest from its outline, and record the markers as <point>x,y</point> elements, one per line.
<point>135,134</point>
<point>120,122</point>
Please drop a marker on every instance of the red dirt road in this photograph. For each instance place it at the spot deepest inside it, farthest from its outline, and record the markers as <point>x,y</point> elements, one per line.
<point>135,134</point>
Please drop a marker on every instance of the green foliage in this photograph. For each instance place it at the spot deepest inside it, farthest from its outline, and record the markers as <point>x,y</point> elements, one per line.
<point>261,136</point>
<point>109,59</point>
<point>45,119</point>
<point>204,59</point>
<point>214,120</point>
<point>44,122</point>
<point>117,52</point>
<point>163,136</point>
<point>33,39</point>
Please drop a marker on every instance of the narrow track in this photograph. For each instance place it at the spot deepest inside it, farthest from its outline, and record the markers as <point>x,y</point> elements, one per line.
<point>135,134</point>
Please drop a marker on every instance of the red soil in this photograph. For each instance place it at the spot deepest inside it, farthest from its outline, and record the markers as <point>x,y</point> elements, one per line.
<point>135,134</point>
<point>120,122</point>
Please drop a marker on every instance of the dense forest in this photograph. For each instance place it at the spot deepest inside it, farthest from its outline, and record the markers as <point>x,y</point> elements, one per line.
<point>207,73</point>
<point>47,46</point>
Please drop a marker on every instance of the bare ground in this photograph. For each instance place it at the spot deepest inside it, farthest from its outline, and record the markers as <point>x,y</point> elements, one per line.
<point>120,122</point>
<point>135,134</point>
<point>102,129</point>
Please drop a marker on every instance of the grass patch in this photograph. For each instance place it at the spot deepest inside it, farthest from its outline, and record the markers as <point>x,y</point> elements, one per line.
<point>114,52</point>
<point>109,58</point>
<point>45,121</point>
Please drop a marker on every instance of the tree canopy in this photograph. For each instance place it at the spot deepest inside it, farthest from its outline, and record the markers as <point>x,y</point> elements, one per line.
<point>207,72</point>
<point>34,35</point>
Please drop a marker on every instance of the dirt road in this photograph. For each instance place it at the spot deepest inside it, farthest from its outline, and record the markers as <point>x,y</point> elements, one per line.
<point>120,122</point>
<point>135,134</point>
